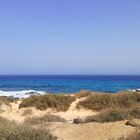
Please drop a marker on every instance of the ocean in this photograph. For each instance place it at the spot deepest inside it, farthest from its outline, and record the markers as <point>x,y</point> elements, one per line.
<point>18,86</point>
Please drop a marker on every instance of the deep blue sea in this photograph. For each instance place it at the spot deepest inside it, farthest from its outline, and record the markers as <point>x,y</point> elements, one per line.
<point>68,83</point>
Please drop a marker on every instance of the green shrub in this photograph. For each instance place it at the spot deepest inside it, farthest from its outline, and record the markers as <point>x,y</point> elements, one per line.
<point>42,102</point>
<point>99,102</point>
<point>43,119</point>
<point>96,102</point>
<point>126,99</point>
<point>112,115</point>
<point>12,131</point>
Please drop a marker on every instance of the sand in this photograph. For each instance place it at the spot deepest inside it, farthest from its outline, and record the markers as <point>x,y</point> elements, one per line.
<point>68,130</point>
<point>91,131</point>
<point>16,114</point>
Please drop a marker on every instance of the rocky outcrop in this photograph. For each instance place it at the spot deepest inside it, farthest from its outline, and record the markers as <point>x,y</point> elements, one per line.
<point>78,121</point>
<point>133,123</point>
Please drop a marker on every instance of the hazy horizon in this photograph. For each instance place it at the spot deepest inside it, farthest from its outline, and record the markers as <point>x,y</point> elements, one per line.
<point>82,37</point>
<point>4,75</point>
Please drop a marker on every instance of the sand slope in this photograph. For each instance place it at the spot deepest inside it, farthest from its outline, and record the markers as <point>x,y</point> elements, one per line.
<point>14,113</point>
<point>69,131</point>
<point>91,131</point>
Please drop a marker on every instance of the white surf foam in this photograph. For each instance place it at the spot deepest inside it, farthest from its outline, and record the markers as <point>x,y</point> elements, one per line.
<point>21,94</point>
<point>134,90</point>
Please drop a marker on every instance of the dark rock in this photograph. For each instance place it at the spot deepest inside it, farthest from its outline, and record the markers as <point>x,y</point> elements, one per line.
<point>32,93</point>
<point>137,90</point>
<point>132,123</point>
<point>78,121</point>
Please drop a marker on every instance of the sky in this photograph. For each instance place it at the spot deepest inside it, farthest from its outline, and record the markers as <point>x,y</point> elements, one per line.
<point>69,37</point>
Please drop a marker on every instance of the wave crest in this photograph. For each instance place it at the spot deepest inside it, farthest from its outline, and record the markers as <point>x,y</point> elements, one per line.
<point>21,94</point>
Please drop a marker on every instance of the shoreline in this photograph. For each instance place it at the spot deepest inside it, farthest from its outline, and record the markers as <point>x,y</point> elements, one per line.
<point>27,93</point>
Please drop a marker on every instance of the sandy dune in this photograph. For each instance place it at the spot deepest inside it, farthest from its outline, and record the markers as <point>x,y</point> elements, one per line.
<point>16,114</point>
<point>68,130</point>
<point>73,113</point>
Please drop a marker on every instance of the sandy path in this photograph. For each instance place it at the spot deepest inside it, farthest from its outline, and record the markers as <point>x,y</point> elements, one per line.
<point>73,113</point>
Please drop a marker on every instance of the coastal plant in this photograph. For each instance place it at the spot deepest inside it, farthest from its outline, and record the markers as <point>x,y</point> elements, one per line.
<point>126,99</point>
<point>44,119</point>
<point>97,102</point>
<point>83,93</point>
<point>43,102</point>
<point>4,100</point>
<point>12,131</point>
<point>113,115</point>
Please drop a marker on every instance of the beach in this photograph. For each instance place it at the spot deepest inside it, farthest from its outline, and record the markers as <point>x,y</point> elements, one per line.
<point>68,121</point>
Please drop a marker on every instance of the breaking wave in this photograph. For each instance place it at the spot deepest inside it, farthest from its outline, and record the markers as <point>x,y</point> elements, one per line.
<point>21,94</point>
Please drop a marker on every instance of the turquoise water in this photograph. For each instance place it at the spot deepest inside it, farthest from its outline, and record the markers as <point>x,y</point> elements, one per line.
<point>70,83</point>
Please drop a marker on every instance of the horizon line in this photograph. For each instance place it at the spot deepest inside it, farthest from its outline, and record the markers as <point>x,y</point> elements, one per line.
<point>69,74</point>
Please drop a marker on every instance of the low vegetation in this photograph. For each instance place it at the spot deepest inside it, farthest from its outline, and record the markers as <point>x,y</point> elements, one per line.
<point>44,119</point>
<point>83,93</point>
<point>7,100</point>
<point>12,131</point>
<point>42,102</point>
<point>112,115</point>
<point>27,112</point>
<point>97,102</point>
<point>4,100</point>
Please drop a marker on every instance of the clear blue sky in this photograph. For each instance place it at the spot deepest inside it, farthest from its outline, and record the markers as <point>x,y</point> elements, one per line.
<point>69,37</point>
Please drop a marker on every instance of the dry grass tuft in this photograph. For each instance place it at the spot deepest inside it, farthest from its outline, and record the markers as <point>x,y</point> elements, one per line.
<point>97,102</point>
<point>44,119</point>
<point>42,102</point>
<point>12,131</point>
<point>4,100</point>
<point>112,115</point>
<point>83,93</point>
